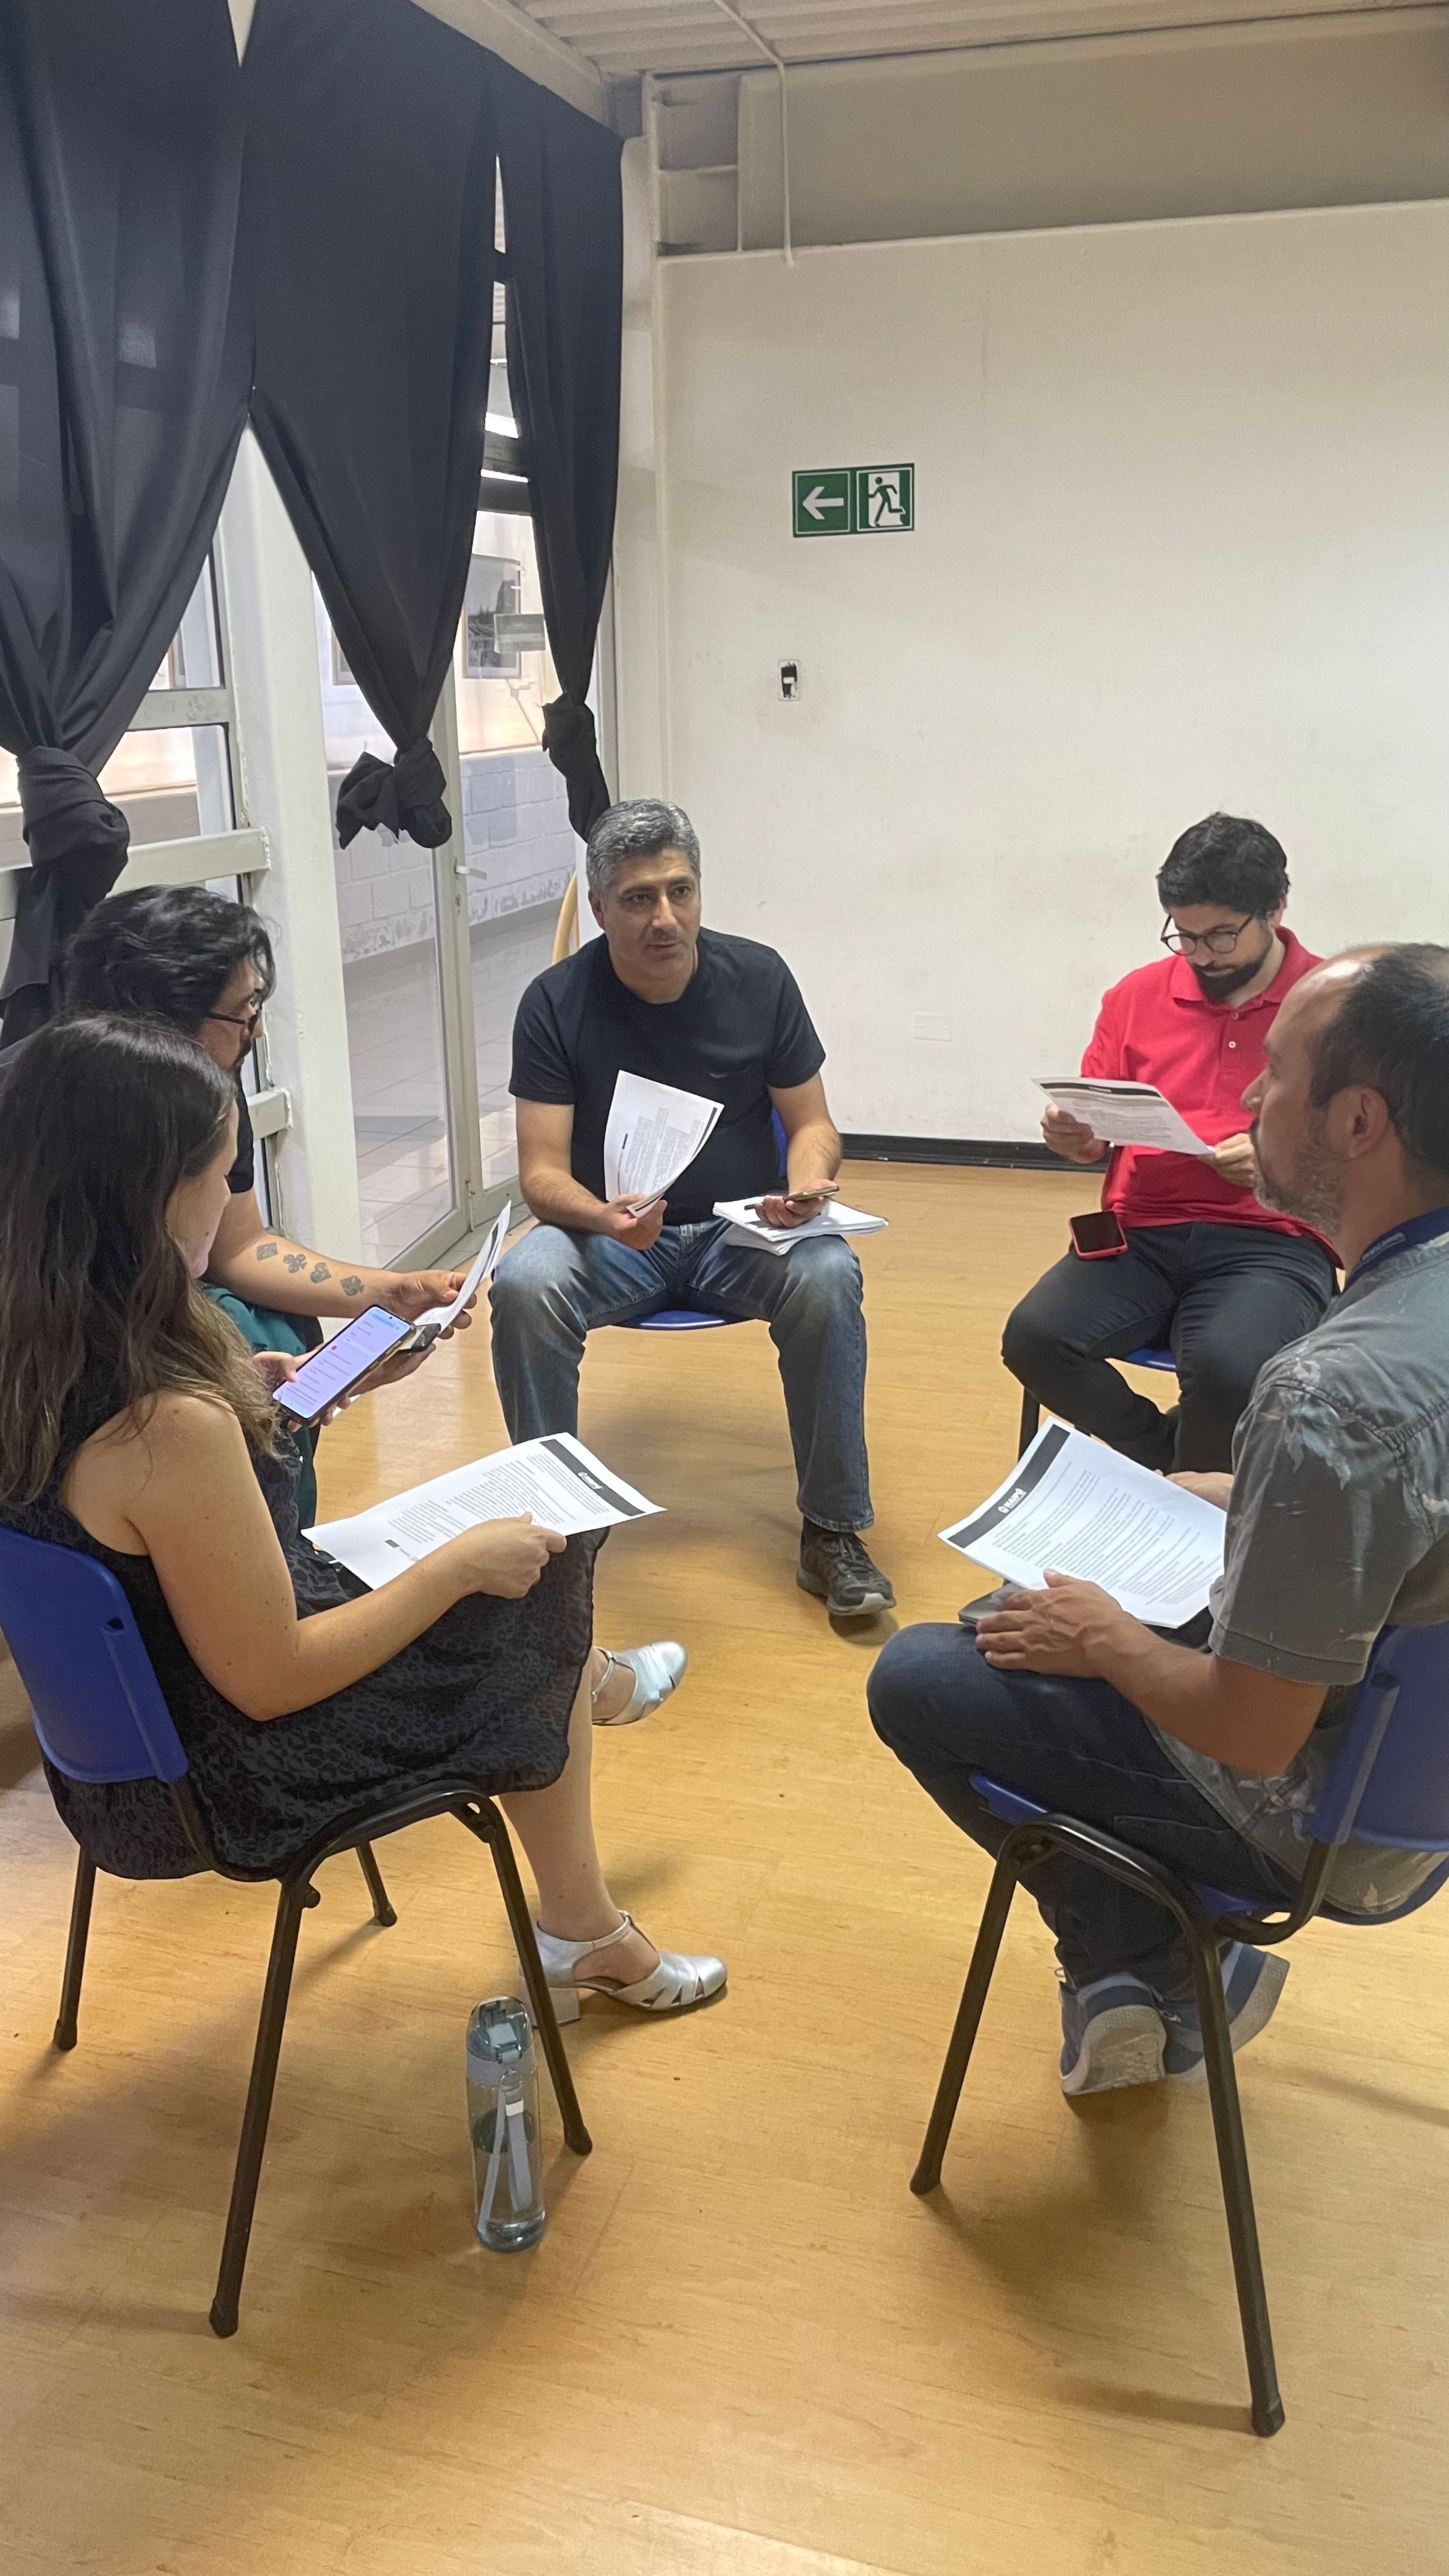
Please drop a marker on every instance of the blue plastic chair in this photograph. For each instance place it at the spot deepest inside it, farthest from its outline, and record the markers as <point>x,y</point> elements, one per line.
<point>693,1319</point>
<point>1389,1784</point>
<point>1031,1409</point>
<point>100,1716</point>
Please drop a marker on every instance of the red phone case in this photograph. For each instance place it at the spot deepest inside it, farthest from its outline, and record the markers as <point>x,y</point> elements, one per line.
<point>1101,1251</point>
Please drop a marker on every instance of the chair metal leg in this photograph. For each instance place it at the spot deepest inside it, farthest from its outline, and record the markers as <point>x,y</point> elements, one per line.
<point>486,1822</point>
<point>292,1899</point>
<point>75,1951</point>
<point>382,1909</point>
<point>1222,2083</point>
<point>968,2018</point>
<point>1030,1422</point>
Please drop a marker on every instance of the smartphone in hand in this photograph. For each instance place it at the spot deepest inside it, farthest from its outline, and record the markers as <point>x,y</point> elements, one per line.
<point>332,1372</point>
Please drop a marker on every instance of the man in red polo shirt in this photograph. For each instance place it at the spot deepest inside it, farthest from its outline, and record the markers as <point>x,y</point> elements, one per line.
<point>1207,1270</point>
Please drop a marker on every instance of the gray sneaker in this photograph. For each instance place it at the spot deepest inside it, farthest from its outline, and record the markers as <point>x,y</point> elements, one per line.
<point>1112,2036</point>
<point>1252,1982</point>
<point>834,1566</point>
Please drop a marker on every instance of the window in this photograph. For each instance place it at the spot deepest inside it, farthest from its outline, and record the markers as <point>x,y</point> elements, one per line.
<point>171,772</point>
<point>391,967</point>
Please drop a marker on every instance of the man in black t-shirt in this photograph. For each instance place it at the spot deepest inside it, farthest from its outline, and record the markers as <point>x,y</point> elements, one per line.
<point>659,997</point>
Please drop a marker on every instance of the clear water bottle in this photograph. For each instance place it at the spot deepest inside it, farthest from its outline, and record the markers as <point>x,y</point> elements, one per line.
<point>503,2125</point>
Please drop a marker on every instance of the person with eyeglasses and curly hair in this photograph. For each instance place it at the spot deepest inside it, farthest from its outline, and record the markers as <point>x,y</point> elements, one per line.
<point>1203,1268</point>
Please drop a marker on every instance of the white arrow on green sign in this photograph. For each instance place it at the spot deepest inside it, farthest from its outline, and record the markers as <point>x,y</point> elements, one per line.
<point>854,500</point>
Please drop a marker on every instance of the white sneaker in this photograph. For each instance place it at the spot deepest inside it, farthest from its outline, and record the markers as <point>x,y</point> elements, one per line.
<point>657,1670</point>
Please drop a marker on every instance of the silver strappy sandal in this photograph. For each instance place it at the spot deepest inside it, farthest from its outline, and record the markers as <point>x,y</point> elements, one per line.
<point>677,1984</point>
<point>657,1670</point>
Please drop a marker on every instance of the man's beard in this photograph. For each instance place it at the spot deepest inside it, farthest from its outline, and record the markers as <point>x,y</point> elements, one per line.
<point>1312,1190</point>
<point>1219,982</point>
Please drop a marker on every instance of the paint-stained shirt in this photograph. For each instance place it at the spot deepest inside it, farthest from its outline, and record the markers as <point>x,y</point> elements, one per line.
<point>1338,1526</point>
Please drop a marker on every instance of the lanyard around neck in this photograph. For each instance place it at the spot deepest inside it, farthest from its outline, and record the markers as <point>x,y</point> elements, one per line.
<point>1400,1238</point>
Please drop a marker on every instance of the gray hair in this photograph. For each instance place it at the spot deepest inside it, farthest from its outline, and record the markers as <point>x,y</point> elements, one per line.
<point>639,829</point>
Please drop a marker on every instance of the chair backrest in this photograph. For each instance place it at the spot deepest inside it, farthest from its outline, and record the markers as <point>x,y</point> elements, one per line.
<point>1390,1779</point>
<point>97,1704</point>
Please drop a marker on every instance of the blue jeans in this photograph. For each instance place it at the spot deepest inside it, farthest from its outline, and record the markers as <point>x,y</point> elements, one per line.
<point>1077,1747</point>
<point>554,1287</point>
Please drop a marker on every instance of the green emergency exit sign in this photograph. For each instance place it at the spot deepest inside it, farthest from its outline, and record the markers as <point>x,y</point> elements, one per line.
<point>855,501</point>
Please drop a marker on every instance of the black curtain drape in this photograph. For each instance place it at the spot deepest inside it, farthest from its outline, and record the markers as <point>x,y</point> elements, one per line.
<point>368,223</point>
<point>123,380</point>
<point>563,223</point>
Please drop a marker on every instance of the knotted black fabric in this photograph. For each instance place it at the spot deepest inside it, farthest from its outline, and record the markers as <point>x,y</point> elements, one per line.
<point>368,220</point>
<point>77,840</point>
<point>401,795</point>
<point>563,217</point>
<point>124,366</point>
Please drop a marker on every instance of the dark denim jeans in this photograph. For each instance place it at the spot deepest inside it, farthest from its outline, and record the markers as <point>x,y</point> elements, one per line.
<point>554,1287</point>
<point>1078,1747</point>
<point>1223,1298</point>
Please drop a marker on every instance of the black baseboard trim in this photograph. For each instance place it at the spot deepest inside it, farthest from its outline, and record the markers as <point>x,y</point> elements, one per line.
<point>991,1153</point>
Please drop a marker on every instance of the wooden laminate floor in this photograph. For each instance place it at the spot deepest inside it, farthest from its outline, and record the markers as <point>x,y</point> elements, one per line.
<point>742,2348</point>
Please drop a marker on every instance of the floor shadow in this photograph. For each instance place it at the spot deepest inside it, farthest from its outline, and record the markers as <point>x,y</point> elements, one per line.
<point>1154,2406</point>
<point>1375,2097</point>
<point>865,1632</point>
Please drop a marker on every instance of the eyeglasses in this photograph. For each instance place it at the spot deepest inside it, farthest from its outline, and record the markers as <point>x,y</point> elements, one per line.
<point>249,1019</point>
<point>1219,940</point>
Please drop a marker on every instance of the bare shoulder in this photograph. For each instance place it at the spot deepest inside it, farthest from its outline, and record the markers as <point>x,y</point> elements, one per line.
<point>160,1456</point>
<point>171,1430</point>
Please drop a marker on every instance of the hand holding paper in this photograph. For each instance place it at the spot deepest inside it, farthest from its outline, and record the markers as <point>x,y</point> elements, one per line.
<point>1126,1113</point>
<point>653,1134</point>
<point>834,1217</point>
<point>555,1480</point>
<point>439,1318</point>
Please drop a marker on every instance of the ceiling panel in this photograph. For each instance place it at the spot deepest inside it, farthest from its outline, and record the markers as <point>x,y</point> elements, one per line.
<point>628,36</point>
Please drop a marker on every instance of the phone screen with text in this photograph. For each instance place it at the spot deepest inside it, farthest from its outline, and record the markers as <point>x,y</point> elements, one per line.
<point>328,1375</point>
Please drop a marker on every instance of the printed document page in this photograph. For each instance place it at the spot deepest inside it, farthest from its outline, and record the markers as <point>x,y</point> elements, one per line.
<point>1126,1113</point>
<point>556,1479</point>
<point>1074,1506</point>
<point>437,1317</point>
<point>834,1218</point>
<point>652,1136</point>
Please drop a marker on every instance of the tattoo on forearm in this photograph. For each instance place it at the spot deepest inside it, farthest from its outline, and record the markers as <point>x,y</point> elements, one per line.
<point>319,1273</point>
<point>294,1262</point>
<point>267,1249</point>
<point>351,1285</point>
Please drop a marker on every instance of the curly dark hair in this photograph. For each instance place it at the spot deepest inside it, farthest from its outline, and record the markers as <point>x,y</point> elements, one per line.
<point>1224,859</point>
<point>165,953</point>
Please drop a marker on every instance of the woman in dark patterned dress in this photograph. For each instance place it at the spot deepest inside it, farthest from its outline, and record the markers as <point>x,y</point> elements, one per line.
<point>135,1428</point>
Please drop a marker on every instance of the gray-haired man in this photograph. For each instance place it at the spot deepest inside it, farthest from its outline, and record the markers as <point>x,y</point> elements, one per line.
<point>660,997</point>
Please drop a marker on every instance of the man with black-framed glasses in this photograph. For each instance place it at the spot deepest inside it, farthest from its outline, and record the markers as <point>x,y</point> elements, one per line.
<point>1203,1267</point>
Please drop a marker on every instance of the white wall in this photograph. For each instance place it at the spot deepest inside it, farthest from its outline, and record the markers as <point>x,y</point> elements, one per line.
<point>1182,541</point>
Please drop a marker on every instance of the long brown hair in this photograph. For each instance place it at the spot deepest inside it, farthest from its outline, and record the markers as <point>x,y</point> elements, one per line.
<point>100,1119</point>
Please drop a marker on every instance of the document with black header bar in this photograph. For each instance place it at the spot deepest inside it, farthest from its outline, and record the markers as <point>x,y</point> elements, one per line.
<point>1072,1506</point>
<point>556,1479</point>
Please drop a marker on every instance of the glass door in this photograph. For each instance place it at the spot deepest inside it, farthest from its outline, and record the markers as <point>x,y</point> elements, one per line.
<point>402,913</point>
